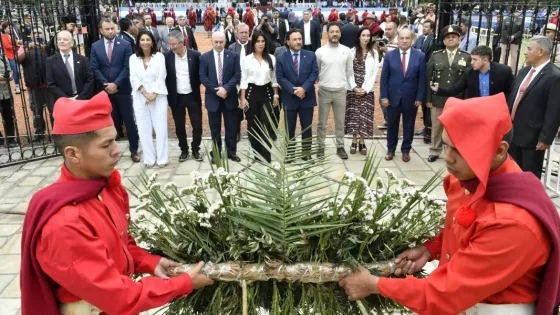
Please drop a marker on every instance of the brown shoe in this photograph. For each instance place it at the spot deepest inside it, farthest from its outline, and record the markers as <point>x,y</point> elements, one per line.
<point>406,157</point>
<point>389,156</point>
<point>135,157</point>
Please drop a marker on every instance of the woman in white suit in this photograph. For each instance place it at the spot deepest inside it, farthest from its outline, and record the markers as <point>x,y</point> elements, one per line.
<point>360,101</point>
<point>149,95</point>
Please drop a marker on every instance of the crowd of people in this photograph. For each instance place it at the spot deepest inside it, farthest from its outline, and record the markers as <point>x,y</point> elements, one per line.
<point>260,65</point>
<point>76,248</point>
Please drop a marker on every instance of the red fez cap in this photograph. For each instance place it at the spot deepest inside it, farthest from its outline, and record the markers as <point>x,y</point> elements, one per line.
<point>75,117</point>
<point>476,127</point>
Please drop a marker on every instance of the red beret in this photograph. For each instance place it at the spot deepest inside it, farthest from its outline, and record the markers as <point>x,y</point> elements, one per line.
<point>74,117</point>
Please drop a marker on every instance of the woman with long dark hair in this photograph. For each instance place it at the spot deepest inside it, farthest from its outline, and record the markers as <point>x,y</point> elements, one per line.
<point>149,96</point>
<point>229,30</point>
<point>360,101</point>
<point>259,93</point>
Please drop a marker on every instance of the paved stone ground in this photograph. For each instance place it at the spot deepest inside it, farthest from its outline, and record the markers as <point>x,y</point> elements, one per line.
<point>18,183</point>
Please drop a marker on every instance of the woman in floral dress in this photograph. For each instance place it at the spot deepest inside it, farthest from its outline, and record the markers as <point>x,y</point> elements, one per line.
<point>360,100</point>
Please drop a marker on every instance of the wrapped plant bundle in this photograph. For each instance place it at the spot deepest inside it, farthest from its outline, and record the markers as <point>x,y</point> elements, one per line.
<point>301,272</point>
<point>287,231</point>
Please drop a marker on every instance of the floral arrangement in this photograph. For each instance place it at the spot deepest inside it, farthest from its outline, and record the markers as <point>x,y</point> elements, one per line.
<point>284,214</point>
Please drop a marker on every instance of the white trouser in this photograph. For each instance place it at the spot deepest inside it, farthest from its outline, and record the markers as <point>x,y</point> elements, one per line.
<point>148,117</point>
<point>501,309</point>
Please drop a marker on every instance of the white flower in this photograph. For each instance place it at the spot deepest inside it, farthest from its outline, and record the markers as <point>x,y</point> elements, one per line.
<point>275,165</point>
<point>390,174</point>
<point>170,186</point>
<point>407,182</point>
<point>152,179</point>
<point>350,176</point>
<point>155,186</point>
<point>221,171</point>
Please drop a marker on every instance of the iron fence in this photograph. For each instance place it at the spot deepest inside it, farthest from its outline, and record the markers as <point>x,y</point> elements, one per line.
<point>29,31</point>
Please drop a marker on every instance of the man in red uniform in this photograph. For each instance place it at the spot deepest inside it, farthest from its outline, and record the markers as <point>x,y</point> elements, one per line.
<point>333,16</point>
<point>499,250</point>
<point>364,16</point>
<point>76,249</point>
<point>192,18</point>
<point>249,19</point>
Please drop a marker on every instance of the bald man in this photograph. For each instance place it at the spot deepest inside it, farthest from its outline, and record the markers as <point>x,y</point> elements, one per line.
<point>220,73</point>
<point>164,33</point>
<point>69,74</point>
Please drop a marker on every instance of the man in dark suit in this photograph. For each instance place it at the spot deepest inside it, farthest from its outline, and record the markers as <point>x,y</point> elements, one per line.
<point>128,32</point>
<point>349,32</point>
<point>220,73</point>
<point>281,25</point>
<point>534,106</point>
<point>311,32</point>
<point>403,89</point>
<point>153,30</point>
<point>492,77</point>
<point>187,32</point>
<point>426,43</point>
<point>109,61</point>
<point>243,48</point>
<point>78,84</point>
<point>183,92</point>
<point>298,87</point>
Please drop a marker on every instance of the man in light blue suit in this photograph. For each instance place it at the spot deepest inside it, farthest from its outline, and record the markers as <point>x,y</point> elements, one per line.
<point>403,88</point>
<point>468,39</point>
<point>220,73</point>
<point>298,87</point>
<point>109,62</point>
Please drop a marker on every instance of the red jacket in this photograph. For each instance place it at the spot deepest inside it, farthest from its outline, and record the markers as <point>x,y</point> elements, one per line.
<point>498,259</point>
<point>87,254</point>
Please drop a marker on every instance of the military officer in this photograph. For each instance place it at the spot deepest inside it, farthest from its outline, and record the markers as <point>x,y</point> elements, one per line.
<point>445,67</point>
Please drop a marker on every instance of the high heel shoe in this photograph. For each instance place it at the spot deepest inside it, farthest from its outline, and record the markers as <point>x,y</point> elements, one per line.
<point>363,149</point>
<point>353,148</point>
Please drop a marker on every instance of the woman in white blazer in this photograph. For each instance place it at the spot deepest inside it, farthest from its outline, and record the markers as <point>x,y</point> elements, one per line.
<point>360,101</point>
<point>149,98</point>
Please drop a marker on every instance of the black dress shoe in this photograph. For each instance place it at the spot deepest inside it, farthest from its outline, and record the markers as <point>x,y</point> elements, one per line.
<point>234,158</point>
<point>197,156</point>
<point>432,158</point>
<point>184,156</point>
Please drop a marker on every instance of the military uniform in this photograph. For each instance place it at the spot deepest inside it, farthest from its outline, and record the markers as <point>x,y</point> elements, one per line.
<point>441,71</point>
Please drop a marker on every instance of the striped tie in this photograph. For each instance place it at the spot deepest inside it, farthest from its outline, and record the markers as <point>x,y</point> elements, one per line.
<point>219,70</point>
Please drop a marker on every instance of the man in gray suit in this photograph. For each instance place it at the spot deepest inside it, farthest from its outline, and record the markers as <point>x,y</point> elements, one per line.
<point>154,31</point>
<point>243,48</point>
<point>164,33</point>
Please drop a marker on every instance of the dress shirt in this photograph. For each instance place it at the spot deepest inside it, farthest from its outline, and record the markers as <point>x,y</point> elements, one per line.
<point>307,33</point>
<point>258,74</point>
<point>182,73</point>
<point>484,82</point>
<point>407,57</point>
<point>107,45</point>
<point>216,63</point>
<point>537,70</point>
<point>70,58</point>
<point>299,59</point>
<point>449,52</point>
<point>242,51</point>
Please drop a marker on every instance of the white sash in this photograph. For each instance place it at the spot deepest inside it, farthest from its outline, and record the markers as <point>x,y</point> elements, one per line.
<point>501,309</point>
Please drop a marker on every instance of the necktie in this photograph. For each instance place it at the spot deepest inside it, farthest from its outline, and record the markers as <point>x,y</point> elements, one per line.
<point>296,63</point>
<point>187,43</point>
<point>109,49</point>
<point>404,63</point>
<point>521,92</point>
<point>70,73</point>
<point>451,57</point>
<point>219,70</point>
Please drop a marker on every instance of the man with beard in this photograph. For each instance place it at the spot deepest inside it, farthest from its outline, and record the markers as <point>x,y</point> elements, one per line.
<point>128,32</point>
<point>109,62</point>
<point>336,68</point>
